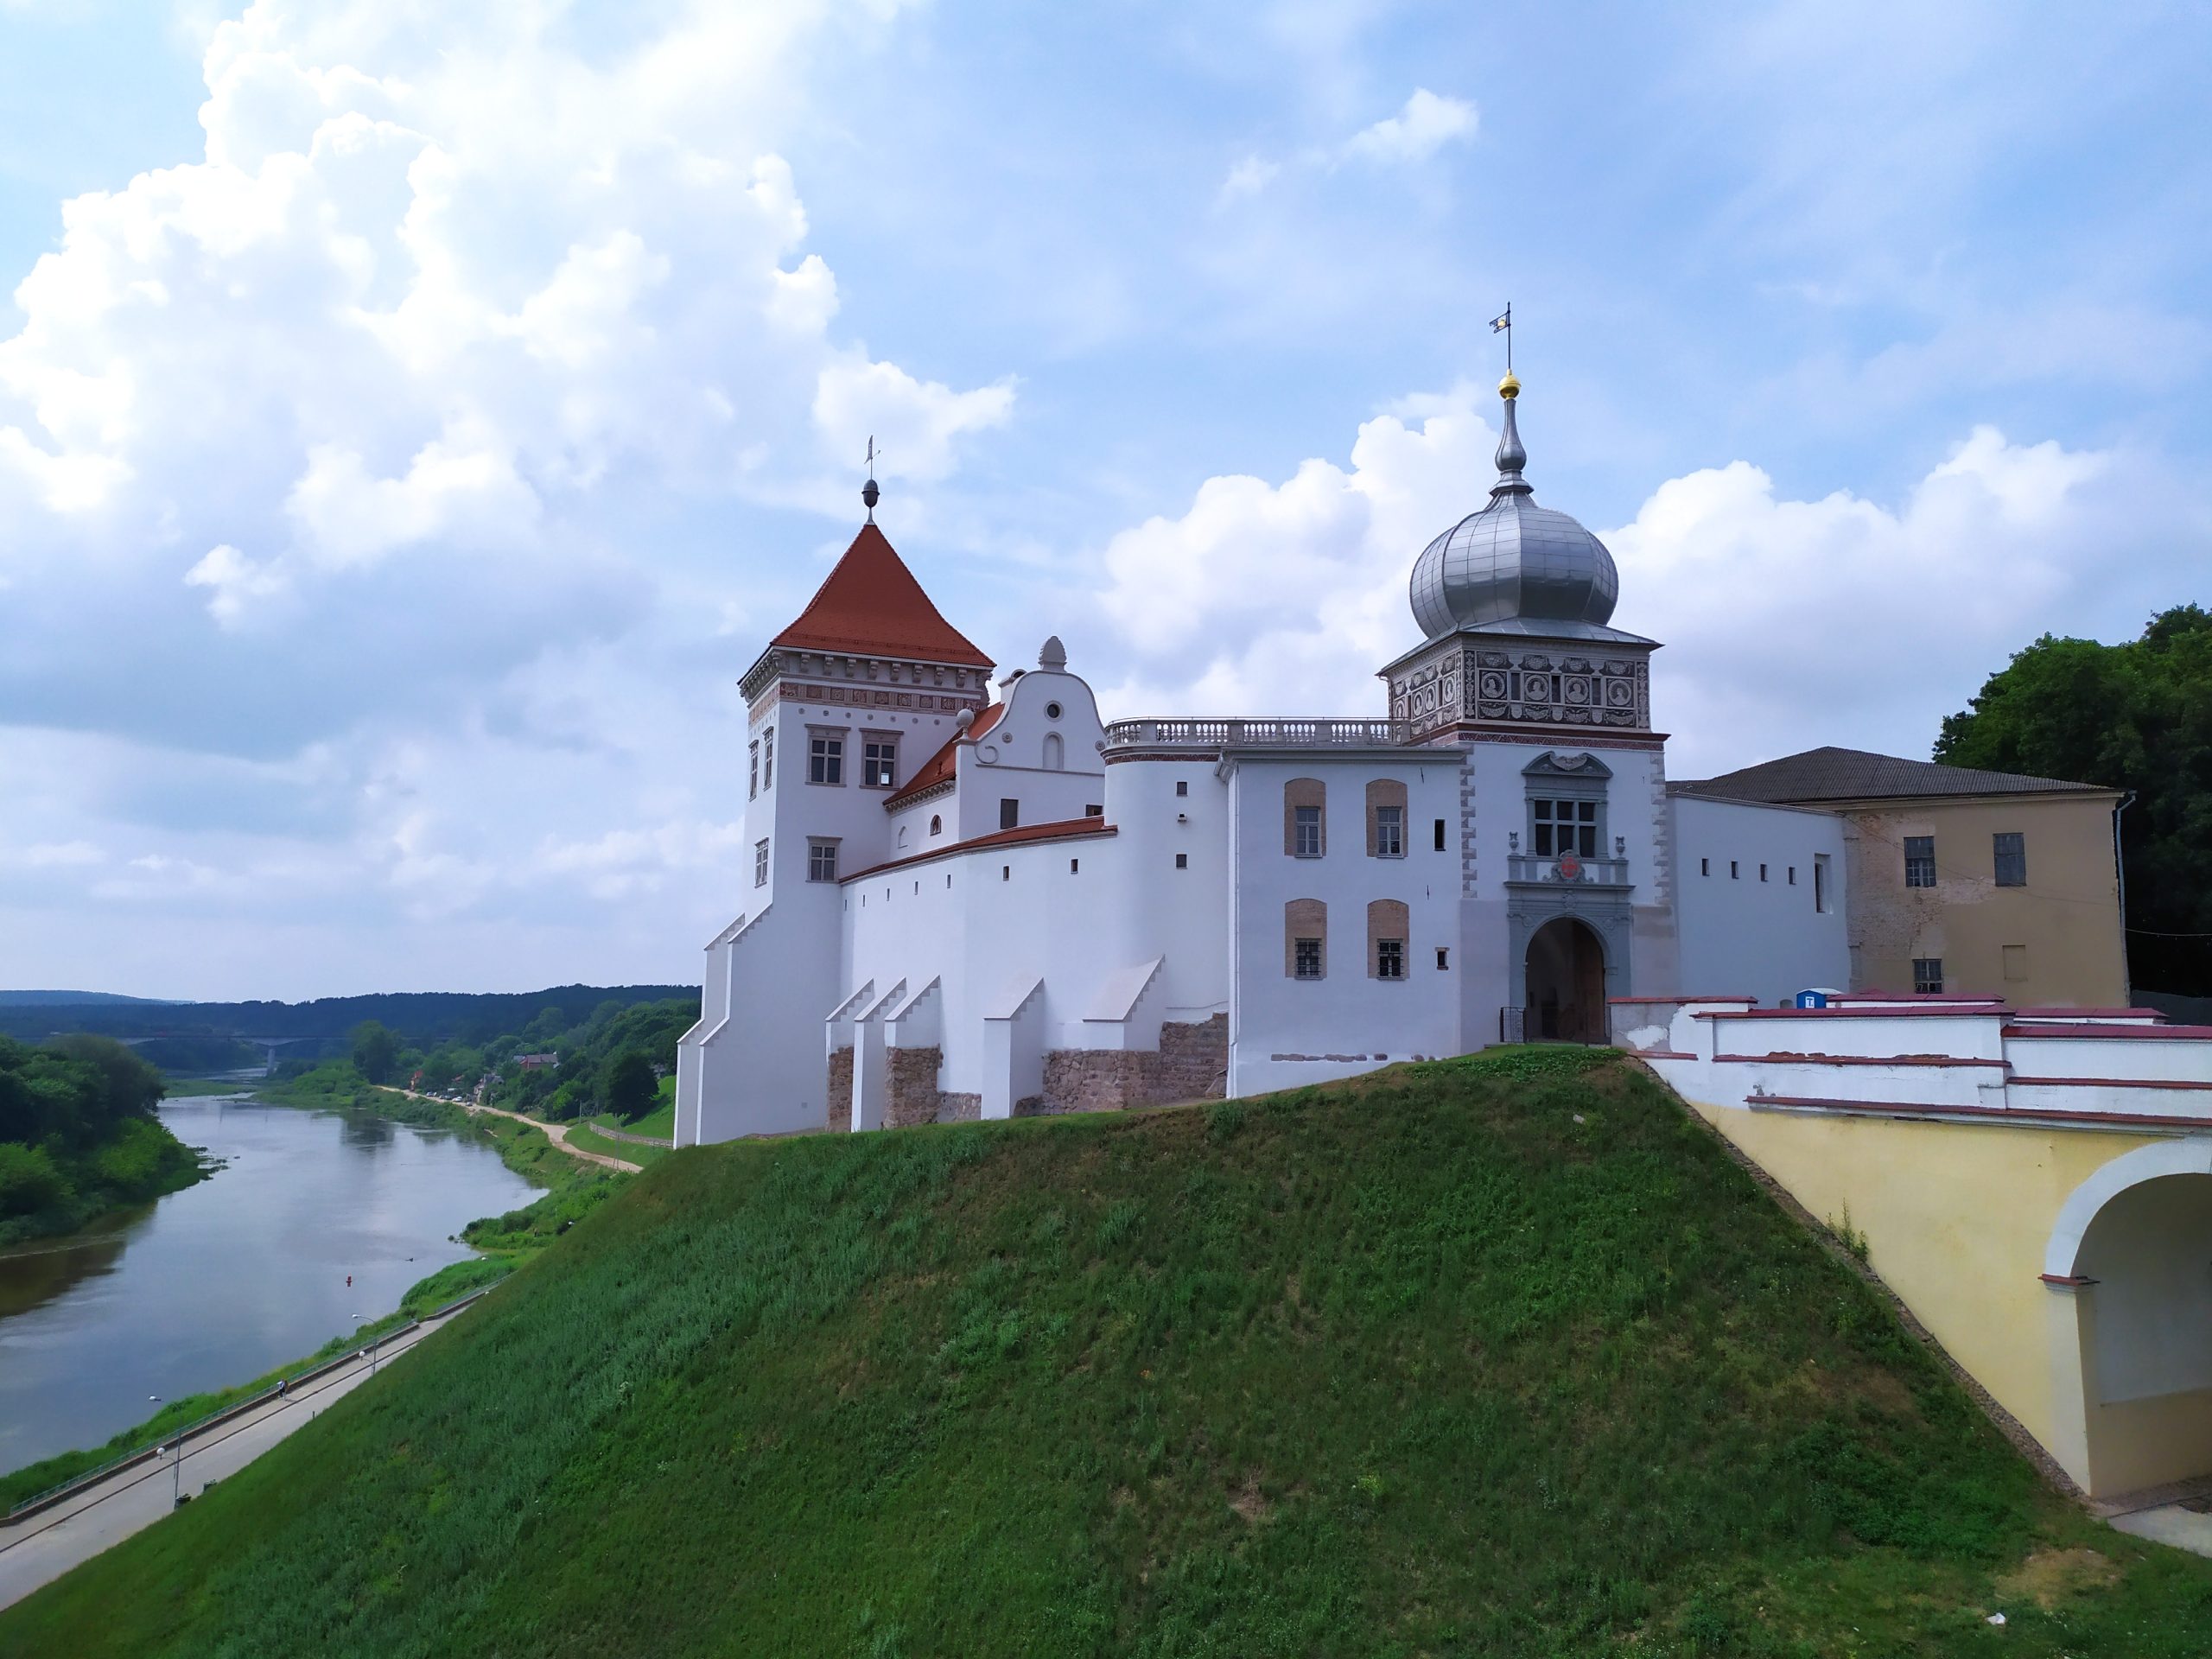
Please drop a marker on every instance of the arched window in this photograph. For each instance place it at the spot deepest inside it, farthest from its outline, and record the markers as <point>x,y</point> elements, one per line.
<point>1306,939</point>
<point>1386,818</point>
<point>936,824</point>
<point>904,835</point>
<point>1387,923</point>
<point>1055,756</point>
<point>1304,829</point>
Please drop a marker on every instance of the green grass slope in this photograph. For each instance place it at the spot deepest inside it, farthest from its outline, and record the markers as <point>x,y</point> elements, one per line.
<point>1494,1357</point>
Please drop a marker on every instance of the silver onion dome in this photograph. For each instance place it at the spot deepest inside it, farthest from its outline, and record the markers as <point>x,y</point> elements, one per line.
<point>1513,559</point>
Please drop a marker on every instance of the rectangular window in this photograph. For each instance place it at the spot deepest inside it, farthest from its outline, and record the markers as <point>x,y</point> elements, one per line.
<point>1439,834</point>
<point>1094,810</point>
<point>2016,961</point>
<point>822,861</point>
<point>1821,883</point>
<point>1389,832</point>
<point>1928,976</point>
<point>1762,872</point>
<point>1390,958</point>
<point>752,769</point>
<point>1306,821</point>
<point>1793,875</point>
<point>2009,848</point>
<point>1306,954</point>
<point>1920,860</point>
<point>1564,827</point>
<point>768,758</point>
<point>1705,867</point>
<point>1734,872</point>
<point>1182,786</point>
<point>825,760</point>
<point>1182,860</point>
<point>1071,866</point>
<point>1009,814</point>
<point>1443,957</point>
<point>879,762</point>
<point>760,863</point>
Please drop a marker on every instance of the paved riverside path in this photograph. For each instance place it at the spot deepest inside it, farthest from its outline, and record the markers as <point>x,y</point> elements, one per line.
<point>40,1548</point>
<point>556,1132</point>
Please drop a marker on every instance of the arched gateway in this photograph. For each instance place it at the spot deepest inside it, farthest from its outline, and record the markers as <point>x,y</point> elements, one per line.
<point>1565,999</point>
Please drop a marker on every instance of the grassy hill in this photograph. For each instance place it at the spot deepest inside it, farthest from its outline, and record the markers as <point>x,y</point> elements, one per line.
<point>1494,1356</point>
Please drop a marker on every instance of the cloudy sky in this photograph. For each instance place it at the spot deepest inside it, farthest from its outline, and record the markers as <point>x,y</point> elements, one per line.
<point>413,417</point>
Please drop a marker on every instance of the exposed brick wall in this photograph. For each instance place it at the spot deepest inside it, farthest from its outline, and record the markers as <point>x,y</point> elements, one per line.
<point>840,1085</point>
<point>1192,1064</point>
<point>1193,1061</point>
<point>913,1086</point>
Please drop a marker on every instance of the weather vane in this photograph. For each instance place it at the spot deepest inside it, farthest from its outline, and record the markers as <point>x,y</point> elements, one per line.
<point>1503,325</point>
<point>869,494</point>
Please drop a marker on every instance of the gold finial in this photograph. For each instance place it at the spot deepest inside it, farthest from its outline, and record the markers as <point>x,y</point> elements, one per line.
<point>1508,388</point>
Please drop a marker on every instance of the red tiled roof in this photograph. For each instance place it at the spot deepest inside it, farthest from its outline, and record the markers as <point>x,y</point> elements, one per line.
<point>870,604</point>
<point>1060,829</point>
<point>938,769</point>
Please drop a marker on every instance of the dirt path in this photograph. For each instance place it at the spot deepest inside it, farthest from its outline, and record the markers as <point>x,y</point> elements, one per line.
<point>556,1132</point>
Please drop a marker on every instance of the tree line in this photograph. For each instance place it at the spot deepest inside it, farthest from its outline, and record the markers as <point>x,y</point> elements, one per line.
<point>2136,716</point>
<point>78,1135</point>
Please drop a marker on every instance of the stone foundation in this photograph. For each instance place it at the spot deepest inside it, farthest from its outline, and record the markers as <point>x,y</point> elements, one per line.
<point>913,1092</point>
<point>1191,1064</point>
<point>841,1091</point>
<point>1193,1061</point>
<point>959,1109</point>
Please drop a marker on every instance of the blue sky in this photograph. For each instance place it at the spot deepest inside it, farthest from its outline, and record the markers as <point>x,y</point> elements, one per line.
<point>410,428</point>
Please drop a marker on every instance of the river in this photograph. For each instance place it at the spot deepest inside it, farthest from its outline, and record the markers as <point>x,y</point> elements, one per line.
<point>229,1278</point>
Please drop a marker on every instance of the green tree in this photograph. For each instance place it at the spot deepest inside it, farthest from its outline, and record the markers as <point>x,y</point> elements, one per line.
<point>376,1050</point>
<point>630,1085</point>
<point>2138,716</point>
<point>129,1087</point>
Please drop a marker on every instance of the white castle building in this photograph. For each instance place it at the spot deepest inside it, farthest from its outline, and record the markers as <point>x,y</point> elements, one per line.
<point>967,896</point>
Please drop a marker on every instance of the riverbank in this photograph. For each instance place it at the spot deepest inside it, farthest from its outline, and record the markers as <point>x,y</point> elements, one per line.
<point>448,1284</point>
<point>54,1195</point>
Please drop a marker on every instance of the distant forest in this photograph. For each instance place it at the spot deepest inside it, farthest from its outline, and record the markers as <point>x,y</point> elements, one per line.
<point>424,1018</point>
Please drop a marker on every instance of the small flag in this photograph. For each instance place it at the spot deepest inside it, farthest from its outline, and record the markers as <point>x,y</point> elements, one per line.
<point>1497,325</point>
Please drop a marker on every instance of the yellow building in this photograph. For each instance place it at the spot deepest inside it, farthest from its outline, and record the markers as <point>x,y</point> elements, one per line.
<point>1960,881</point>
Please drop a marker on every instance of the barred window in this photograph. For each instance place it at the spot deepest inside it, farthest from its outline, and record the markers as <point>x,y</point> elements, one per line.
<point>1309,959</point>
<point>1928,976</point>
<point>2010,849</point>
<point>1390,958</point>
<point>1920,860</point>
<point>1305,938</point>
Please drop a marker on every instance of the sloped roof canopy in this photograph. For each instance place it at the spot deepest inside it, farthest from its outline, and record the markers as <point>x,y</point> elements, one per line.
<point>871,606</point>
<point>1834,774</point>
<point>938,769</point>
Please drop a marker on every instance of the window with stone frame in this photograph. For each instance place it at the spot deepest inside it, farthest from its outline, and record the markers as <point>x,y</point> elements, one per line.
<point>1306,939</point>
<point>821,859</point>
<point>1388,921</point>
<point>2009,852</point>
<point>1928,976</point>
<point>752,769</point>
<point>1386,818</point>
<point>1559,826</point>
<point>1920,860</point>
<point>760,863</point>
<point>768,758</point>
<point>1305,818</point>
<point>825,757</point>
<point>879,760</point>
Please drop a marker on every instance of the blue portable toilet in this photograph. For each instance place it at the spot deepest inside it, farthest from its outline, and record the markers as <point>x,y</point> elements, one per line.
<point>1812,999</point>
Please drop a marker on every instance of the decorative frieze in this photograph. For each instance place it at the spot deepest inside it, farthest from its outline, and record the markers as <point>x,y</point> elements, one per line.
<point>1540,683</point>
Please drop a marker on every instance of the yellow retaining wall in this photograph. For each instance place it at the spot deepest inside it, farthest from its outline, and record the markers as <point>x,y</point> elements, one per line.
<point>1956,1218</point>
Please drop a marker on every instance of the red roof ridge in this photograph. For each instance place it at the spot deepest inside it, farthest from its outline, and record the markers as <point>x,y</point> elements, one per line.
<point>870,605</point>
<point>1059,829</point>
